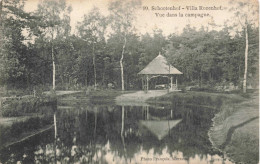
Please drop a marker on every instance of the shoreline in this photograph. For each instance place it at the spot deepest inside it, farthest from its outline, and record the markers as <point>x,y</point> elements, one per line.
<point>235,127</point>
<point>138,98</point>
<point>236,135</point>
<point>232,125</point>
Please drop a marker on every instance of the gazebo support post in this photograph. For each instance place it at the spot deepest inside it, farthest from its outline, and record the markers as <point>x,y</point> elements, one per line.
<point>176,83</point>
<point>171,84</point>
<point>147,112</point>
<point>147,83</point>
<point>142,83</point>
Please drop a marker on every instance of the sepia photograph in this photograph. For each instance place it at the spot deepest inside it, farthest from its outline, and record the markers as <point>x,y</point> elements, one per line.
<point>129,82</point>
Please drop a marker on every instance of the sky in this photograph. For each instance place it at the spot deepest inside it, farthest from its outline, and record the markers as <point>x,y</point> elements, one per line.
<point>147,21</point>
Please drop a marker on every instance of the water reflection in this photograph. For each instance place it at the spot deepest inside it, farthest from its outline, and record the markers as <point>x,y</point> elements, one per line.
<point>121,134</point>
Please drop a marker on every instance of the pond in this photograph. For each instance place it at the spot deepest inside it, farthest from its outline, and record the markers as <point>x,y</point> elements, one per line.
<point>96,133</point>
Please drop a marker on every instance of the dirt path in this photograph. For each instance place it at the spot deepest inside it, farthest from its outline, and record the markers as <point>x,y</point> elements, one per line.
<point>232,130</point>
<point>60,93</point>
<point>138,98</point>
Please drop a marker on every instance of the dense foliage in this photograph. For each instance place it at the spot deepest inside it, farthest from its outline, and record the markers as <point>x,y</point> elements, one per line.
<point>32,42</point>
<point>29,105</point>
<point>214,57</point>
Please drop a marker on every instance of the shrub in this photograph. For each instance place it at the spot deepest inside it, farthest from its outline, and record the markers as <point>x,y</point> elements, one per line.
<point>245,95</point>
<point>16,108</point>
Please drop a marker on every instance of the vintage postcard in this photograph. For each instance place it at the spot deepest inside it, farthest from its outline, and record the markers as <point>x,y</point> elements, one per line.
<point>129,81</point>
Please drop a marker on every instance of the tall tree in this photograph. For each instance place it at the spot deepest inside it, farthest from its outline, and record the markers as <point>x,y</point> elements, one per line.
<point>92,29</point>
<point>1,42</point>
<point>13,50</point>
<point>122,16</point>
<point>54,25</point>
<point>1,23</point>
<point>245,14</point>
<point>152,45</point>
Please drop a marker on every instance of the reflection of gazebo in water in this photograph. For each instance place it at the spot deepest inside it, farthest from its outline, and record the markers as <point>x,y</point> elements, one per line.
<point>159,126</point>
<point>158,67</point>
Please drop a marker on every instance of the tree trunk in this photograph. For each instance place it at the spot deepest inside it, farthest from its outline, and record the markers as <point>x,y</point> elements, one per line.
<point>200,80</point>
<point>1,45</point>
<point>103,78</point>
<point>246,56</point>
<point>95,127</point>
<point>53,58</point>
<point>1,23</point>
<point>86,80</point>
<point>62,81</point>
<point>94,64</point>
<point>53,67</point>
<point>121,64</point>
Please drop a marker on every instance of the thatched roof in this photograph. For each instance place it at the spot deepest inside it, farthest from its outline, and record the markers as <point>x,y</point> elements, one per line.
<point>159,66</point>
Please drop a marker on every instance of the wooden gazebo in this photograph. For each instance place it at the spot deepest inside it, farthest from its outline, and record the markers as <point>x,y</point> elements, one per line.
<point>158,67</point>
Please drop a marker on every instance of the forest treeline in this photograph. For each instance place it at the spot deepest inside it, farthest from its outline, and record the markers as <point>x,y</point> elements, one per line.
<point>37,47</point>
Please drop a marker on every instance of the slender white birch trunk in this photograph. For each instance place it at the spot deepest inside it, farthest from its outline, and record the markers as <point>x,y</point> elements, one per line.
<point>121,64</point>
<point>53,66</point>
<point>246,58</point>
<point>94,65</point>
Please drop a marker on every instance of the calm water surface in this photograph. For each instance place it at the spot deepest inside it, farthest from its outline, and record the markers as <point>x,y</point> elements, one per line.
<point>88,133</point>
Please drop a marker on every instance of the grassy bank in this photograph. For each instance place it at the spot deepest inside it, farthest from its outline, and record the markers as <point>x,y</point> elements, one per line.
<point>235,126</point>
<point>27,106</point>
<point>105,96</point>
<point>235,130</point>
<point>198,98</point>
<point>91,97</point>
